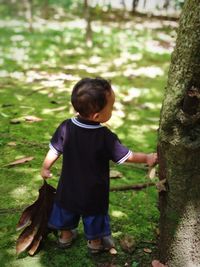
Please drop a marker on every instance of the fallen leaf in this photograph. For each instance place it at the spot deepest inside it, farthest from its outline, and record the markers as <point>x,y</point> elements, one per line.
<point>151,173</point>
<point>32,119</point>
<point>16,120</point>
<point>20,161</point>
<point>156,263</point>
<point>158,231</point>
<point>26,118</point>
<point>147,250</point>
<point>115,174</point>
<point>11,144</point>
<point>128,244</point>
<point>34,221</point>
<point>161,185</point>
<point>113,251</point>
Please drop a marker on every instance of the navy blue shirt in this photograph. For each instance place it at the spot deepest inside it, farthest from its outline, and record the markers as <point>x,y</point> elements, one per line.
<point>87,147</point>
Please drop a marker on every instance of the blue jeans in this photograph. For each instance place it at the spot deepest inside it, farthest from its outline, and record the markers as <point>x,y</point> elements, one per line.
<point>95,227</point>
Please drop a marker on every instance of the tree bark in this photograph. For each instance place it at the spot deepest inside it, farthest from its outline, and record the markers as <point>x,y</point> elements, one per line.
<point>88,24</point>
<point>166,4</point>
<point>29,13</point>
<point>144,4</point>
<point>179,147</point>
<point>134,5</point>
<point>132,187</point>
<point>45,9</point>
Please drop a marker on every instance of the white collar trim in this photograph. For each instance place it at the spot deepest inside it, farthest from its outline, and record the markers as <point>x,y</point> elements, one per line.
<point>83,125</point>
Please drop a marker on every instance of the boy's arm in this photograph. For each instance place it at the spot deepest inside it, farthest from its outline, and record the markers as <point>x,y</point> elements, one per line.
<point>149,159</point>
<point>49,160</point>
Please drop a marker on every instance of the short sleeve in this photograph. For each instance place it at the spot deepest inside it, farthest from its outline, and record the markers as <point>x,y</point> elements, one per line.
<point>58,139</point>
<point>117,152</point>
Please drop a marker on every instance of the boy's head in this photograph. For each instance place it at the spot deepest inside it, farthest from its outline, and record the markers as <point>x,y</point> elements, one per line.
<point>93,99</point>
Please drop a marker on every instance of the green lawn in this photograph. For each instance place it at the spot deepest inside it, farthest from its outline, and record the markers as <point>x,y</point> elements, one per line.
<point>38,70</point>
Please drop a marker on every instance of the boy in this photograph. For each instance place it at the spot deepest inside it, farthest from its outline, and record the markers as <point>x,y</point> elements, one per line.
<point>87,146</point>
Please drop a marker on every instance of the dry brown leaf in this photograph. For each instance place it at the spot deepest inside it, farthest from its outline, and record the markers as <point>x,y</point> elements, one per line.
<point>20,161</point>
<point>16,120</point>
<point>151,173</point>
<point>113,251</point>
<point>161,185</point>
<point>147,250</point>
<point>115,174</point>
<point>158,231</point>
<point>32,119</point>
<point>128,244</point>
<point>11,144</point>
<point>26,118</point>
<point>38,215</point>
<point>156,263</point>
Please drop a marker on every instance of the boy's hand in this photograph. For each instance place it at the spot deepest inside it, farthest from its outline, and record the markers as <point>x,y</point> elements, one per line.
<point>45,173</point>
<point>152,159</point>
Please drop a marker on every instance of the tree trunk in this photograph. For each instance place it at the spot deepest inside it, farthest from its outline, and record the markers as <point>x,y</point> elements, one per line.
<point>179,147</point>
<point>123,2</point>
<point>29,13</point>
<point>166,4</point>
<point>45,9</point>
<point>134,5</point>
<point>144,4</point>
<point>88,24</point>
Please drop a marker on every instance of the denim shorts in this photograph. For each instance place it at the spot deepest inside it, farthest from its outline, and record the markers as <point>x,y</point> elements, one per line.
<point>96,226</point>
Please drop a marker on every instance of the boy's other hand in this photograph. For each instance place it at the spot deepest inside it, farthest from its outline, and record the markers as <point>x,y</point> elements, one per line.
<point>45,173</point>
<point>152,159</point>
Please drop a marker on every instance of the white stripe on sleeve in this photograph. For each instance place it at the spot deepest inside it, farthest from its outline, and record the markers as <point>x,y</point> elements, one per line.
<point>124,158</point>
<point>54,150</point>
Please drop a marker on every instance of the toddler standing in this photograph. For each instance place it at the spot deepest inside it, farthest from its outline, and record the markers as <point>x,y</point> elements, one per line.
<point>87,147</point>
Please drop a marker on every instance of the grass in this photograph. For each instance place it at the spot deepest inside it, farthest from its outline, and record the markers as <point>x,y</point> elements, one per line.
<point>38,70</point>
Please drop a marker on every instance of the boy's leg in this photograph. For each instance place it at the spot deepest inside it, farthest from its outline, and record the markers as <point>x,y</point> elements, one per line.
<point>66,238</point>
<point>66,222</point>
<point>66,234</point>
<point>98,233</point>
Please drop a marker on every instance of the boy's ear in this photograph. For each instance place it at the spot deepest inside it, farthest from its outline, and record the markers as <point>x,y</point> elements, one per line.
<point>95,116</point>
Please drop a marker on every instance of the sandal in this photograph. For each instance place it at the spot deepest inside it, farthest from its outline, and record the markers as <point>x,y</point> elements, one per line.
<point>106,244</point>
<point>68,242</point>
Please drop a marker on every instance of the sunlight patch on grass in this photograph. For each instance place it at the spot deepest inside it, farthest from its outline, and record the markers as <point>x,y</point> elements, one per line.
<point>77,51</point>
<point>17,38</point>
<point>118,214</point>
<point>150,72</point>
<point>134,92</point>
<point>153,46</point>
<point>47,80</point>
<point>117,234</point>
<point>140,132</point>
<point>12,23</point>
<point>125,56</point>
<point>115,122</point>
<point>19,192</point>
<point>152,105</point>
<point>18,54</point>
<point>43,25</point>
<point>29,261</point>
<point>95,59</point>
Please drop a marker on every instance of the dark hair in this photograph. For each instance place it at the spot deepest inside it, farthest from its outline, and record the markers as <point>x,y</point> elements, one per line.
<point>89,95</point>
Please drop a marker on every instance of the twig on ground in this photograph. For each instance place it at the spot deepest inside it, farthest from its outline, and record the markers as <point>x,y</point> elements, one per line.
<point>132,187</point>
